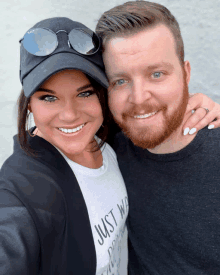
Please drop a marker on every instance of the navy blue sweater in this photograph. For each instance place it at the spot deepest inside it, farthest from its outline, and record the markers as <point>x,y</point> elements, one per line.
<point>174,216</point>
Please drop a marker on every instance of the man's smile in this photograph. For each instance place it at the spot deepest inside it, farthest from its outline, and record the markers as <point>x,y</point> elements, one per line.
<point>145,115</point>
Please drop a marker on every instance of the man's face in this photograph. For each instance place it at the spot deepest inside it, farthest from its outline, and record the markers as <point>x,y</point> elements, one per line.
<point>148,91</point>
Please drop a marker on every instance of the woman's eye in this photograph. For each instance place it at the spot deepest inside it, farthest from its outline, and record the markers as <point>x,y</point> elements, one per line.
<point>157,74</point>
<point>86,94</point>
<point>48,98</point>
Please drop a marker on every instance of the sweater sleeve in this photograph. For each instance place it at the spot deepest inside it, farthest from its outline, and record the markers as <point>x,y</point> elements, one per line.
<point>19,243</point>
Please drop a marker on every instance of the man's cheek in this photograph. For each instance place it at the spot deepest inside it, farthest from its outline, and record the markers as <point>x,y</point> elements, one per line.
<point>112,104</point>
<point>113,111</point>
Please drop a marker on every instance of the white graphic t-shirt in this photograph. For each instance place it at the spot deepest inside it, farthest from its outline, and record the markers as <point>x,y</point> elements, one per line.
<point>106,199</point>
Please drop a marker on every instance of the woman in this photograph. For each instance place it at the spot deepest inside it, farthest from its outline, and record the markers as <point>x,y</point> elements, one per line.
<point>61,189</point>
<point>63,199</point>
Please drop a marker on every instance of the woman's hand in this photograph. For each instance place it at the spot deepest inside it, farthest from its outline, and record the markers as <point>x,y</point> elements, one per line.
<point>200,117</point>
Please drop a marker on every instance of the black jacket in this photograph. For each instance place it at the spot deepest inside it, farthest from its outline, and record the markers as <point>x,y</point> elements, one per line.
<point>44,223</point>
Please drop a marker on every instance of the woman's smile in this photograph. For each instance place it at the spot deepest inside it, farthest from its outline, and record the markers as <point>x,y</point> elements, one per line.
<point>71,129</point>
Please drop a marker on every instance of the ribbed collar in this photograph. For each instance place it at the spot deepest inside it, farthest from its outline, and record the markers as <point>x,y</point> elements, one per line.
<point>183,153</point>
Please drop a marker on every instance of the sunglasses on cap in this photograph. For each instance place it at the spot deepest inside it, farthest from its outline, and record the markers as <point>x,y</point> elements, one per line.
<point>43,42</point>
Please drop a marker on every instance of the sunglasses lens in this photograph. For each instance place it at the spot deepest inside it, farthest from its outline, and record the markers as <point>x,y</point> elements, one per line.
<point>40,42</point>
<point>83,41</point>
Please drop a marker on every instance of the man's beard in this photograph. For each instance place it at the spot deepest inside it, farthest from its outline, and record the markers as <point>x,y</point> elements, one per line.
<point>146,137</point>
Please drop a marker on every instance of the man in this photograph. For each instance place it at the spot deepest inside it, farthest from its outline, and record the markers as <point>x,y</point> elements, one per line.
<point>173,180</point>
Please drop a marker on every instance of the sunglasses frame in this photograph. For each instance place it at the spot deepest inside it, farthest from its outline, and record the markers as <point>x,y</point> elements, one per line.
<point>85,31</point>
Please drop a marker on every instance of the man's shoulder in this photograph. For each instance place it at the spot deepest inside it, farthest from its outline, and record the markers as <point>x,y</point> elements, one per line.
<point>213,138</point>
<point>207,145</point>
<point>214,132</point>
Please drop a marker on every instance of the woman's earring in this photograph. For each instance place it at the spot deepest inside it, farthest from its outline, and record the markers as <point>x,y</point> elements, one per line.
<point>28,130</point>
<point>31,134</point>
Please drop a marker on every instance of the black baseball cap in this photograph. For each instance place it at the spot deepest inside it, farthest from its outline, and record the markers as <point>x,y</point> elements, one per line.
<point>34,70</point>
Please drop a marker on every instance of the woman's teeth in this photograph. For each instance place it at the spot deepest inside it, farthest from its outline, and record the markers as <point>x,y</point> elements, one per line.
<point>146,115</point>
<point>71,130</point>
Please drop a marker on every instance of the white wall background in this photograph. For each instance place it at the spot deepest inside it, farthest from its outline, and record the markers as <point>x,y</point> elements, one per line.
<point>198,19</point>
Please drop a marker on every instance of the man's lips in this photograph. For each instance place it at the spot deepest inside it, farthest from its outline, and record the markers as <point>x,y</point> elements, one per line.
<point>140,115</point>
<point>145,115</point>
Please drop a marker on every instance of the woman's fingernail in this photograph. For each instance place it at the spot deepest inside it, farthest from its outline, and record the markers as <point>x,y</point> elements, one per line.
<point>192,131</point>
<point>211,126</point>
<point>186,131</point>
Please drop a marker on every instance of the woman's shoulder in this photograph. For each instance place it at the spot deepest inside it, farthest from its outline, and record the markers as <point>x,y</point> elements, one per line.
<point>108,148</point>
<point>33,181</point>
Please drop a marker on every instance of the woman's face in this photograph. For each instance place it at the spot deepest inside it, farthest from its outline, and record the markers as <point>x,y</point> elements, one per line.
<point>67,112</point>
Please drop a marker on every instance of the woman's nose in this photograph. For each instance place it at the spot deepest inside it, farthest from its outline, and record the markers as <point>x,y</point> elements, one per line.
<point>69,111</point>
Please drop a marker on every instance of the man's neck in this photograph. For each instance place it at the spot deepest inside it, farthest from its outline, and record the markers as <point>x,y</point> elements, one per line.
<point>176,141</point>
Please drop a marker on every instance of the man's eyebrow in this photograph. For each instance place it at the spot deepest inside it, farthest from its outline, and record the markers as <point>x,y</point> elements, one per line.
<point>116,75</point>
<point>168,65</point>
<point>161,64</point>
<point>53,92</point>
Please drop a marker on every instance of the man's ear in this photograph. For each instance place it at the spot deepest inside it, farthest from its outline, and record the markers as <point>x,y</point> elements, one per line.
<point>187,69</point>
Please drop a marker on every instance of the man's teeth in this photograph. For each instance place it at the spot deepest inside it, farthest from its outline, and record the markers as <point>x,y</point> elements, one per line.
<point>146,115</point>
<point>72,130</point>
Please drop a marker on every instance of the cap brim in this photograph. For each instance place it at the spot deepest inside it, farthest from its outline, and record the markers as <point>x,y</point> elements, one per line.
<point>59,62</point>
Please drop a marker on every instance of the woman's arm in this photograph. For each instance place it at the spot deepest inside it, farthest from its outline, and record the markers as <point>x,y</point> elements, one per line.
<point>200,117</point>
<point>19,245</point>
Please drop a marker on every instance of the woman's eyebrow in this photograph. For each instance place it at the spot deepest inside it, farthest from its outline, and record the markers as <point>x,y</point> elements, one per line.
<point>53,92</point>
<point>46,90</point>
<point>84,87</point>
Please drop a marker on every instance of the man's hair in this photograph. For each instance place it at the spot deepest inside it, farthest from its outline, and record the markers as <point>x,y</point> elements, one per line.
<point>135,16</point>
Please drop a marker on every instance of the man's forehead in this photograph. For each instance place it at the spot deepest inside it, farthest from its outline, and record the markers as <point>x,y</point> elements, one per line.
<point>138,41</point>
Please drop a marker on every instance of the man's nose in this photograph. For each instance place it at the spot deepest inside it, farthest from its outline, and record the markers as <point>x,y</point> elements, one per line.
<point>140,92</point>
